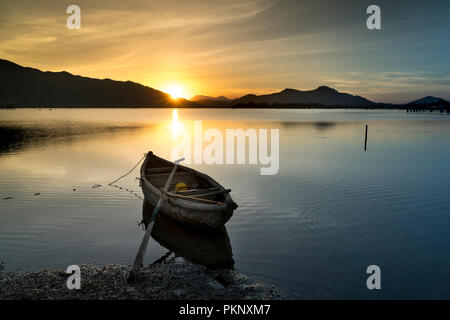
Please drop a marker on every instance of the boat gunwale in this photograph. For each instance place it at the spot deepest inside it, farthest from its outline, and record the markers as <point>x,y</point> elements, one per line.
<point>187,204</point>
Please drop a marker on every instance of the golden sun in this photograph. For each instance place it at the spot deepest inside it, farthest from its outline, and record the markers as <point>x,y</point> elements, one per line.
<point>175,91</point>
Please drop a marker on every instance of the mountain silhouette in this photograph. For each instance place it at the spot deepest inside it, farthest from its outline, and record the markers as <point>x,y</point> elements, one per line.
<point>211,102</point>
<point>28,87</point>
<point>322,95</point>
<point>429,100</point>
<point>201,98</point>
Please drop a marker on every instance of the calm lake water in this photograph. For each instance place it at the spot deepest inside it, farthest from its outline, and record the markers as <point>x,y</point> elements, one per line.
<point>332,210</point>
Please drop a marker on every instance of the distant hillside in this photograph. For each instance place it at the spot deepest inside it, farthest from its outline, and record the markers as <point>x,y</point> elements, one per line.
<point>429,100</point>
<point>322,95</point>
<point>201,98</point>
<point>211,102</point>
<point>27,87</point>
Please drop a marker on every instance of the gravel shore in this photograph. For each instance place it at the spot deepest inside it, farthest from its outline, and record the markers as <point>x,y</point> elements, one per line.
<point>172,279</point>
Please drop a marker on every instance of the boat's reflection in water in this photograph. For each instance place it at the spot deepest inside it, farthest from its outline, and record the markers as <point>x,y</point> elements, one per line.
<point>210,248</point>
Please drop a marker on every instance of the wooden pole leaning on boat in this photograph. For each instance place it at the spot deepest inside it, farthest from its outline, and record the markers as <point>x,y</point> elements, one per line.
<point>143,247</point>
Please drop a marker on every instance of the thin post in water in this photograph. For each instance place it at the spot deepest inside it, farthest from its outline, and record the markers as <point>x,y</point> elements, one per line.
<point>365,141</point>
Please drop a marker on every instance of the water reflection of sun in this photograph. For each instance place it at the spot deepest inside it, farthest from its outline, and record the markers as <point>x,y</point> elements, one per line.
<point>176,126</point>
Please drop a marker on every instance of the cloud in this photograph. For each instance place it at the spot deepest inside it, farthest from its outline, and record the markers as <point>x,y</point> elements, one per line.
<point>393,86</point>
<point>230,46</point>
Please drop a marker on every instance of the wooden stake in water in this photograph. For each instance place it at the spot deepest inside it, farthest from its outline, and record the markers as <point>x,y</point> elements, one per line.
<point>365,142</point>
<point>143,247</point>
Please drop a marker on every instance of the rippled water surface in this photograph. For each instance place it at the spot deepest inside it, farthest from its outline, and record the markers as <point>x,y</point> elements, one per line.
<point>332,210</point>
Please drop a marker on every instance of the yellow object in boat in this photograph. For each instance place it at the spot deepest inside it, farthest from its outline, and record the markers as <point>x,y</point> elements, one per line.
<point>181,186</point>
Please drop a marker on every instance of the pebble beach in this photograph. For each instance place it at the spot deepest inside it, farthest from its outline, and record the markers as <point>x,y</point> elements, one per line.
<point>172,279</point>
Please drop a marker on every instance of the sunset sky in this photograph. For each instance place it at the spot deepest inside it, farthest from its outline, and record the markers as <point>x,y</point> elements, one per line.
<point>234,48</point>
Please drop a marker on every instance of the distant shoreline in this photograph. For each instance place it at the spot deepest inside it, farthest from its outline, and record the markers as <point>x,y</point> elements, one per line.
<point>402,107</point>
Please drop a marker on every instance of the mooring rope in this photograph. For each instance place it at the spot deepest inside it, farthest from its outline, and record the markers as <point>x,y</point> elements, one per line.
<point>128,190</point>
<point>141,222</point>
<point>128,171</point>
<point>126,174</point>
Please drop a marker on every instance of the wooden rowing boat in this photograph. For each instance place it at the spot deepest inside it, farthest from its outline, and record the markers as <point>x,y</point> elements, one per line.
<point>208,247</point>
<point>205,203</point>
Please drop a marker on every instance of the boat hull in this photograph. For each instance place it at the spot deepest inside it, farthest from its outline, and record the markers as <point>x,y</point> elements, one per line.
<point>207,215</point>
